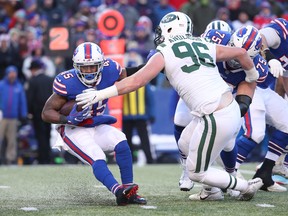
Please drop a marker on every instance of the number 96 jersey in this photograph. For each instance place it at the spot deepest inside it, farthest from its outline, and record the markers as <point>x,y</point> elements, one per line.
<point>193,73</point>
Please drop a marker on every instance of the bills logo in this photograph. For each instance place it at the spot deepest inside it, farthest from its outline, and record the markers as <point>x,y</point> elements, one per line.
<point>75,52</point>
<point>249,38</point>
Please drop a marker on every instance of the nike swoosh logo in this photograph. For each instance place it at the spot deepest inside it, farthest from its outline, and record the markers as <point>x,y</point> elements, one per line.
<point>203,198</point>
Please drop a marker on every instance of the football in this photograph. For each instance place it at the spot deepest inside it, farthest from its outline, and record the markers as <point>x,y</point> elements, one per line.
<point>67,107</point>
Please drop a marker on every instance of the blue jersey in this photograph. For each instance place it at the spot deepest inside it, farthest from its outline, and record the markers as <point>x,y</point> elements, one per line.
<point>232,74</point>
<point>281,27</point>
<point>67,83</point>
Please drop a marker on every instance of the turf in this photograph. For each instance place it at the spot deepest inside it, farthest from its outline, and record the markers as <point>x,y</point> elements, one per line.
<point>73,190</point>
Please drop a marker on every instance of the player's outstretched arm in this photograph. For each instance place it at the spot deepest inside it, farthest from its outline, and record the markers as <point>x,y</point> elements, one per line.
<point>129,84</point>
<point>226,53</point>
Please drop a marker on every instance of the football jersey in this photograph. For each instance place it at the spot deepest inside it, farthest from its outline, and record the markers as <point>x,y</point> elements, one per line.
<point>281,27</point>
<point>232,74</point>
<point>190,67</point>
<point>67,83</point>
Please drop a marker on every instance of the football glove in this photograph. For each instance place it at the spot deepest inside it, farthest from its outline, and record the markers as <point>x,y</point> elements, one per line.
<point>76,117</point>
<point>98,120</point>
<point>251,75</point>
<point>276,68</point>
<point>91,96</point>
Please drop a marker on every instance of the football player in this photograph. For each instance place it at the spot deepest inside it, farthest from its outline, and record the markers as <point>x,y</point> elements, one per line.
<point>87,133</point>
<point>275,38</point>
<point>190,66</point>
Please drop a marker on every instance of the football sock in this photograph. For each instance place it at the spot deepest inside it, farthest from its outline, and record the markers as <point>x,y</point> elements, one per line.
<point>245,146</point>
<point>124,161</point>
<point>229,159</point>
<point>103,174</point>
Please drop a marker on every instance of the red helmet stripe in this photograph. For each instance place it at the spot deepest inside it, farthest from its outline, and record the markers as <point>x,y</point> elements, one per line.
<point>88,50</point>
<point>250,40</point>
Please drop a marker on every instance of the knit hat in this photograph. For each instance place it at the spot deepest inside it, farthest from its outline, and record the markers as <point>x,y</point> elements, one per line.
<point>10,69</point>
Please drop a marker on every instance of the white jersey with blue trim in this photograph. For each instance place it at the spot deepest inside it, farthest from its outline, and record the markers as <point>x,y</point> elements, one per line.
<point>193,73</point>
<point>67,83</point>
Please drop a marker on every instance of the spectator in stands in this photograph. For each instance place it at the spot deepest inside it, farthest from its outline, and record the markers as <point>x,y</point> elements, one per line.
<point>143,36</point>
<point>6,54</point>
<point>199,20</point>
<point>50,9</point>
<point>243,20</point>
<point>130,15</point>
<point>145,8</point>
<point>39,90</point>
<point>39,52</point>
<point>13,107</point>
<point>189,7</point>
<point>265,15</point>
<point>161,9</point>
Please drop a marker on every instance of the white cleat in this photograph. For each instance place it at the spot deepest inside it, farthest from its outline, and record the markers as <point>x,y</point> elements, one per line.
<point>276,188</point>
<point>253,186</point>
<point>186,184</point>
<point>280,169</point>
<point>208,194</point>
<point>233,193</point>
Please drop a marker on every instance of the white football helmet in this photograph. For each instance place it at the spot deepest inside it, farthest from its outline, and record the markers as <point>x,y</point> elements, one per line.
<point>172,24</point>
<point>219,25</point>
<point>248,38</point>
<point>88,54</point>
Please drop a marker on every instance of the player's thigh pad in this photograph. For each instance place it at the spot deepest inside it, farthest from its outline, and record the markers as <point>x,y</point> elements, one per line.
<point>211,135</point>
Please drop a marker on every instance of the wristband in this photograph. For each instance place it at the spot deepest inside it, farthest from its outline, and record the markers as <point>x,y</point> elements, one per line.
<point>107,93</point>
<point>63,119</point>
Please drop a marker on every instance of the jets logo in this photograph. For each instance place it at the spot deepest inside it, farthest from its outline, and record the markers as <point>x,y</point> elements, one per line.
<point>168,18</point>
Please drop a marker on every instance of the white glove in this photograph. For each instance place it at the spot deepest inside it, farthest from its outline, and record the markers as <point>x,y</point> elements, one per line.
<point>1,115</point>
<point>87,98</point>
<point>251,75</point>
<point>91,96</point>
<point>276,68</point>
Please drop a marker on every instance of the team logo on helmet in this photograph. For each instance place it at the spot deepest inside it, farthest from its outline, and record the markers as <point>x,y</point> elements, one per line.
<point>168,18</point>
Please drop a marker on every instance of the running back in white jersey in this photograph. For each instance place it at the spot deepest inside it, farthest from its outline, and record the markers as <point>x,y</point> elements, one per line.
<point>193,73</point>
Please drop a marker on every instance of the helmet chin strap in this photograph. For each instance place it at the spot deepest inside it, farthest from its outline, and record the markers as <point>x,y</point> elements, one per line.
<point>96,79</point>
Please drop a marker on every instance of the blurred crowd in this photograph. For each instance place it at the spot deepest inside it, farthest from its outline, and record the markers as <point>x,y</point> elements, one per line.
<point>24,25</point>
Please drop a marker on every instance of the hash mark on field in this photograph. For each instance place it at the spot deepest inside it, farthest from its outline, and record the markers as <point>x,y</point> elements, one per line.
<point>29,209</point>
<point>265,205</point>
<point>99,186</point>
<point>148,207</point>
<point>4,187</point>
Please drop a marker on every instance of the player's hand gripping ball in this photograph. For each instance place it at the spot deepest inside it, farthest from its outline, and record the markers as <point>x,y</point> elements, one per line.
<point>67,107</point>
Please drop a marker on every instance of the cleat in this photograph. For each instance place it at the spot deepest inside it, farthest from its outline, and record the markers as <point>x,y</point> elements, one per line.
<point>136,199</point>
<point>208,194</point>
<point>280,180</point>
<point>123,194</point>
<point>280,169</point>
<point>185,183</point>
<point>253,186</point>
<point>233,193</point>
<point>275,188</point>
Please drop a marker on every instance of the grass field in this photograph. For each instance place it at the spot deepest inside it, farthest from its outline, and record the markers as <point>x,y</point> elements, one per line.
<point>72,190</point>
